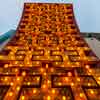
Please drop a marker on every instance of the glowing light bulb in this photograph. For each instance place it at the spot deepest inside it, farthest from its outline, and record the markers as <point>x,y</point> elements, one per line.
<point>77,63</point>
<point>56,63</point>
<point>63,97</point>
<point>48,51</point>
<point>18,88</point>
<point>37,62</point>
<point>24,73</point>
<point>92,92</point>
<point>72,84</point>
<point>6,65</point>
<point>37,57</point>
<point>48,98</point>
<point>23,97</point>
<point>20,56</point>
<point>45,74</point>
<point>78,79</point>
<point>20,65</point>
<point>87,66</point>
<point>65,58</point>
<point>52,69</point>
<point>59,84</point>
<point>28,83</point>
<point>98,78</point>
<point>37,78</point>
<point>57,48</point>
<point>68,63</point>
<point>41,69</point>
<point>48,81</point>
<point>89,84</point>
<point>16,70</point>
<point>34,91</point>
<point>46,65</point>
<point>66,78</point>
<point>90,71</point>
<point>28,62</point>
<point>44,86</point>
<point>33,73</point>
<point>11,83</point>
<point>18,78</point>
<point>81,95</point>
<point>16,62</point>
<point>12,57</point>
<point>69,74</point>
<point>53,91</point>
<point>57,57</point>
<point>98,82</point>
<point>5,79</point>
<point>10,93</point>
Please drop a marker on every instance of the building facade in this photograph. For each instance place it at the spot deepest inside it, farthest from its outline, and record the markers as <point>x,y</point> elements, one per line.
<point>48,59</point>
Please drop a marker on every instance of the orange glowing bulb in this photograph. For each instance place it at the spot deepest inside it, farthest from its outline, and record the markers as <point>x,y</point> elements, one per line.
<point>6,79</point>
<point>16,70</point>
<point>6,65</point>
<point>48,98</point>
<point>16,62</point>
<point>11,83</point>
<point>46,65</point>
<point>63,97</point>
<point>53,91</point>
<point>56,56</point>
<point>28,83</point>
<point>66,78</point>
<point>10,93</point>
<point>81,94</point>
<point>24,73</point>
<point>78,79</point>
<point>59,84</point>
<point>52,69</point>
<point>72,84</point>
<point>20,56</point>
<point>34,91</point>
<point>37,56</point>
<point>69,74</point>
<point>12,57</point>
<point>44,86</point>
<point>18,88</point>
<point>45,74</point>
<point>37,62</point>
<point>41,69</point>
<point>48,51</point>
<point>90,70</point>
<point>92,92</point>
<point>56,63</point>
<point>33,73</point>
<point>23,97</point>
<point>98,78</point>
<point>87,66</point>
<point>57,48</point>
<point>77,63</point>
<point>89,84</point>
<point>48,81</point>
<point>68,63</point>
<point>18,78</point>
<point>37,78</point>
<point>20,65</point>
<point>28,63</point>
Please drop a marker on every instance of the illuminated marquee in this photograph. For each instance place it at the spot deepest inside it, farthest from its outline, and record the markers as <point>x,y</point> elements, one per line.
<point>48,58</point>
